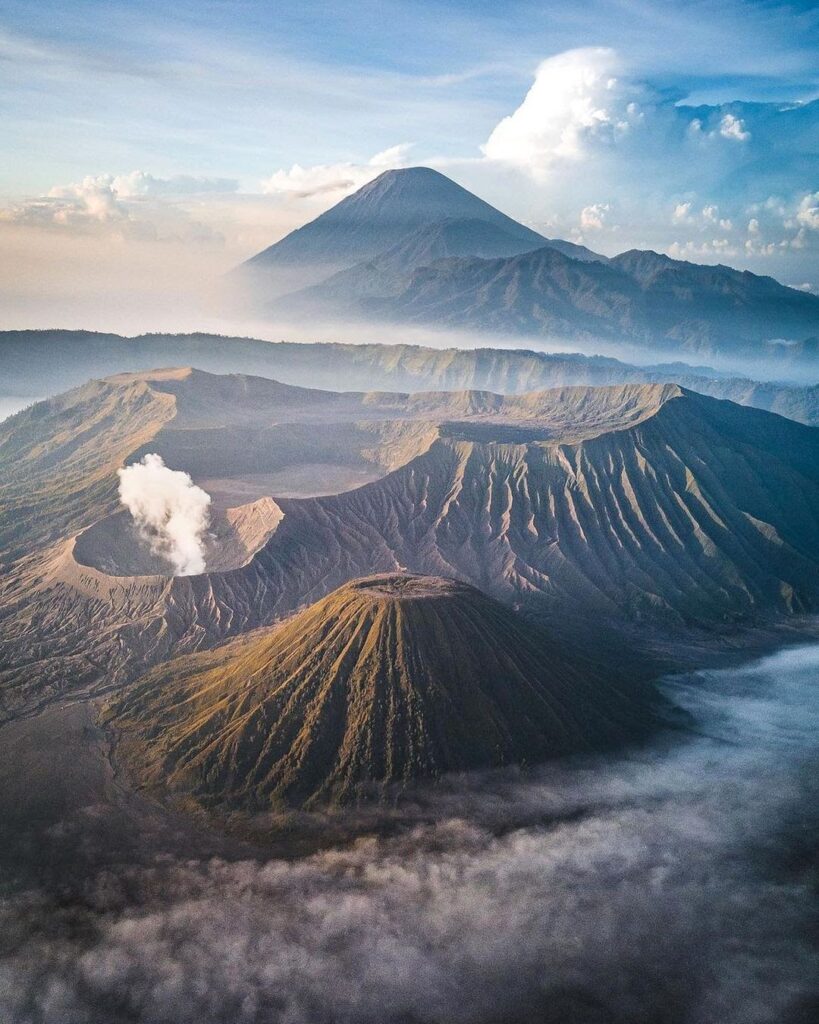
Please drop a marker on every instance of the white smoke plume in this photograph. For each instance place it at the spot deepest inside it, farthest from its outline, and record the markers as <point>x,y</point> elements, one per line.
<point>170,511</point>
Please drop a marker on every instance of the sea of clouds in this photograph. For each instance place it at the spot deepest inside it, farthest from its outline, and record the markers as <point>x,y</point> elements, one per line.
<point>669,886</point>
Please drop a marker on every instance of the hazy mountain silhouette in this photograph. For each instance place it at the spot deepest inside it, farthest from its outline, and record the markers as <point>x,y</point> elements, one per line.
<point>383,214</point>
<point>639,298</point>
<point>413,246</point>
<point>37,363</point>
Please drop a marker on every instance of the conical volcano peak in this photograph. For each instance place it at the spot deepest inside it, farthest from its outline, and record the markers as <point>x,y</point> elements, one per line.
<point>417,172</point>
<point>381,214</point>
<point>424,177</point>
<point>388,680</point>
<point>420,184</point>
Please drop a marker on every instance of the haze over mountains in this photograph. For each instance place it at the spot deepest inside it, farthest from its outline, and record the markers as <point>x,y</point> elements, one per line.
<point>39,363</point>
<point>642,298</point>
<point>396,208</point>
<point>637,503</point>
<point>414,247</point>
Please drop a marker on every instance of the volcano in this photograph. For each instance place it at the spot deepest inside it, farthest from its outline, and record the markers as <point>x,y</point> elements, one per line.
<point>414,247</point>
<point>639,504</point>
<point>389,211</point>
<point>389,679</point>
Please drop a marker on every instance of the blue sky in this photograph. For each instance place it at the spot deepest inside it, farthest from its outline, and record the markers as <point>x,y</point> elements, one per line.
<point>239,88</point>
<point>685,127</point>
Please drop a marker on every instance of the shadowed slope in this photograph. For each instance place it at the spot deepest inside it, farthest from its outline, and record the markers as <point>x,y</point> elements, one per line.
<point>387,273</point>
<point>388,679</point>
<point>638,297</point>
<point>702,512</point>
<point>58,458</point>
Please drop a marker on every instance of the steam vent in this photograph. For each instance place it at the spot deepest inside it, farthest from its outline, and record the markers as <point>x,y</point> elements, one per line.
<point>389,679</point>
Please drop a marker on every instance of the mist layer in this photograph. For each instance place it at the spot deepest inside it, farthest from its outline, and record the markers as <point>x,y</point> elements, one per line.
<point>672,885</point>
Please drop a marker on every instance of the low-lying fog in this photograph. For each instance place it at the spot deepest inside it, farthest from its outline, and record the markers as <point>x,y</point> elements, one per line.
<point>671,886</point>
<point>214,309</point>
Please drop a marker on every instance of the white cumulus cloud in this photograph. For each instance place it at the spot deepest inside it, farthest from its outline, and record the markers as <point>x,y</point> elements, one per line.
<point>303,182</point>
<point>576,97</point>
<point>592,218</point>
<point>136,205</point>
<point>731,127</point>
<point>681,214</point>
<point>808,213</point>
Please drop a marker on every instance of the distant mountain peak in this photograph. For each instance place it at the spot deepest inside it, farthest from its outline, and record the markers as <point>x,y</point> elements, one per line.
<point>380,216</point>
<point>414,177</point>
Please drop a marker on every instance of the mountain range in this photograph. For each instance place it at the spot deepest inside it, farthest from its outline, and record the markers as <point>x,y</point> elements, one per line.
<point>398,208</point>
<point>414,247</point>
<point>39,363</point>
<point>638,503</point>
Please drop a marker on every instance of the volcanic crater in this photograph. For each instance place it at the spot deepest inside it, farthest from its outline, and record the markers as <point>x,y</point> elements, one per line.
<point>117,546</point>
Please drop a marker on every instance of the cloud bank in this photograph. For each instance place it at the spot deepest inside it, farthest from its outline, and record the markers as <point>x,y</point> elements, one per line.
<point>134,206</point>
<point>668,887</point>
<point>590,135</point>
<point>169,510</point>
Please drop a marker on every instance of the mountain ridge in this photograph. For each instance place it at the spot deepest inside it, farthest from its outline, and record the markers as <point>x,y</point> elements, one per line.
<point>381,215</point>
<point>639,297</point>
<point>383,212</point>
<point>640,504</point>
<point>35,360</point>
<point>385,274</point>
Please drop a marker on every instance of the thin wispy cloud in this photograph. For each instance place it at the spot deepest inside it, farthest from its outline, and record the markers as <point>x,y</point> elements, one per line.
<point>324,179</point>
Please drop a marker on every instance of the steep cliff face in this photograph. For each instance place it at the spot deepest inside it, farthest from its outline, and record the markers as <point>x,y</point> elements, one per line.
<point>389,679</point>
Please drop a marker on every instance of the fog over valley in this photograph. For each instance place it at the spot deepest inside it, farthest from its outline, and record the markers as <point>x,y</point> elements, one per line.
<point>593,891</point>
